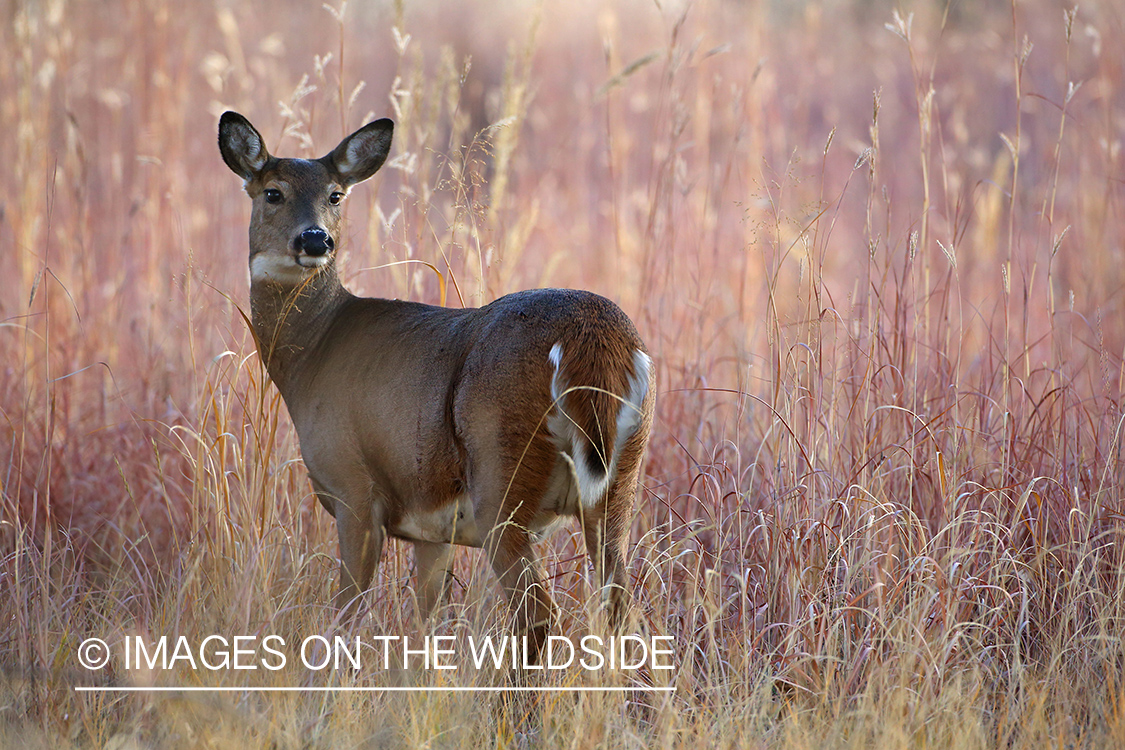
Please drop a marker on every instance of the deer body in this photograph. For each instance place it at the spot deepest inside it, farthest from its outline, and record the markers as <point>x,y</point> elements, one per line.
<point>441,426</point>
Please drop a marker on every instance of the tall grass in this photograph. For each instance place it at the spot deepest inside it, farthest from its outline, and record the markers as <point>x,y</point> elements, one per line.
<point>874,251</point>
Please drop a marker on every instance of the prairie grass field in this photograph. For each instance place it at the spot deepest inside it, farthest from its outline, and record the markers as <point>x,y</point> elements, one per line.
<point>875,250</point>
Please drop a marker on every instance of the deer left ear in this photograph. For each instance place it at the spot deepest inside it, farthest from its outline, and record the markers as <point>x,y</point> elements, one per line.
<point>241,146</point>
<point>362,153</point>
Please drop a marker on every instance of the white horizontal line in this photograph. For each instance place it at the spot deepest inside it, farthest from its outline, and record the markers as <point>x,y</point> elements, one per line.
<point>358,689</point>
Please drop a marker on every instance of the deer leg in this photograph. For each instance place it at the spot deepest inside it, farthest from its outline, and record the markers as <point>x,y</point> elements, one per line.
<point>360,534</point>
<point>435,575</point>
<point>606,546</point>
<point>606,529</point>
<point>513,561</point>
<point>509,469</point>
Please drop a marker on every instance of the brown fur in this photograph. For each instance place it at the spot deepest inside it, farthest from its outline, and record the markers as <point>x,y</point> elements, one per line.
<point>402,408</point>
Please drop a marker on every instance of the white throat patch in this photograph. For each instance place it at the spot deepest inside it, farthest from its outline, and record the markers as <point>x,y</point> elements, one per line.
<point>284,269</point>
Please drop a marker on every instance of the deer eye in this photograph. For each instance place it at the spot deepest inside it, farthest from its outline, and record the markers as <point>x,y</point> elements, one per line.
<point>335,198</point>
<point>273,195</point>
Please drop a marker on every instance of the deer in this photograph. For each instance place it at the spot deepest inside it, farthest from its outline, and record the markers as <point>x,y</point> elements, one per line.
<point>435,425</point>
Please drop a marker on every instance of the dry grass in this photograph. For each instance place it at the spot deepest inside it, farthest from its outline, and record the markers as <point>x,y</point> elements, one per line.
<point>875,254</point>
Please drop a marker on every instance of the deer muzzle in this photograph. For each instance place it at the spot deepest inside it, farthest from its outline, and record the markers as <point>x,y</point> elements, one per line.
<point>315,242</point>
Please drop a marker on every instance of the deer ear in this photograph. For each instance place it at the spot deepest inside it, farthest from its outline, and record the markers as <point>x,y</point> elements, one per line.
<point>362,153</point>
<point>242,146</point>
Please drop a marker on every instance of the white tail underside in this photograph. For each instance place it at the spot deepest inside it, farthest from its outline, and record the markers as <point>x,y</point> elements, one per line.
<point>572,439</point>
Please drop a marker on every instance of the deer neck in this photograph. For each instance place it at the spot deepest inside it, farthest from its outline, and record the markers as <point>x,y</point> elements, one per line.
<point>291,320</point>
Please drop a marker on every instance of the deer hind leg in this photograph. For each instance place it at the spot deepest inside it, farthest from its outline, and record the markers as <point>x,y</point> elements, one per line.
<point>606,530</point>
<point>509,473</point>
<point>605,545</point>
<point>435,575</point>
<point>513,561</point>
<point>607,535</point>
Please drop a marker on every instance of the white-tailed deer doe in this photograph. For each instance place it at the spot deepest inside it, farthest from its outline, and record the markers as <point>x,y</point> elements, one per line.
<point>441,426</point>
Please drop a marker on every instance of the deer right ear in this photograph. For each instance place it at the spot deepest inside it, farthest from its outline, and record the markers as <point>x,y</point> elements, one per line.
<point>362,153</point>
<point>241,145</point>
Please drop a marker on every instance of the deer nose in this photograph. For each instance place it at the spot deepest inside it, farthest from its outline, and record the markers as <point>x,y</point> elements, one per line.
<point>315,241</point>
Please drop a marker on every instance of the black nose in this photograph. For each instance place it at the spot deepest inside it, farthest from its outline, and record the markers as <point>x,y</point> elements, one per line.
<point>315,241</point>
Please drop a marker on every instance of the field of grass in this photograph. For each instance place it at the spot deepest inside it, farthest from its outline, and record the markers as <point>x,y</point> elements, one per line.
<point>874,249</point>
